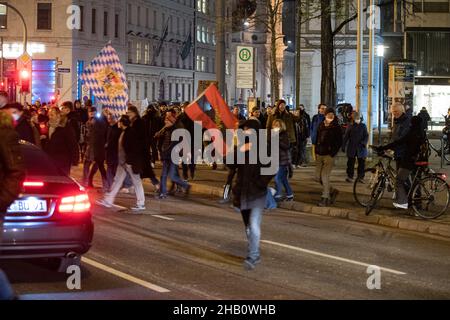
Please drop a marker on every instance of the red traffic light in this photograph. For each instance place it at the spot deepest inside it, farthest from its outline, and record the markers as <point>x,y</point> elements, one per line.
<point>24,74</point>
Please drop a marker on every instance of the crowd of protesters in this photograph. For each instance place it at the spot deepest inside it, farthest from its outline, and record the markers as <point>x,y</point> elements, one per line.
<point>124,151</point>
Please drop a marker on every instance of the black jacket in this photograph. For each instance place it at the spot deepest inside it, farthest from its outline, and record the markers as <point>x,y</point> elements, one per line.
<point>134,154</point>
<point>62,147</point>
<point>285,155</point>
<point>99,130</point>
<point>401,128</point>
<point>74,120</point>
<point>25,130</point>
<point>112,144</point>
<point>12,167</point>
<point>329,139</point>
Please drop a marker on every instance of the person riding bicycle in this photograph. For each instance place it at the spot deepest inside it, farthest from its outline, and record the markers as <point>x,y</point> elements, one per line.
<point>410,144</point>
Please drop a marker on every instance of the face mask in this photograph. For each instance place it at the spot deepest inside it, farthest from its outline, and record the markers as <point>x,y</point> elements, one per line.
<point>16,117</point>
<point>357,121</point>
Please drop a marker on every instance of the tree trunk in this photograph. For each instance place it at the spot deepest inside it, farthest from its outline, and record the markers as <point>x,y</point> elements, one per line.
<point>328,87</point>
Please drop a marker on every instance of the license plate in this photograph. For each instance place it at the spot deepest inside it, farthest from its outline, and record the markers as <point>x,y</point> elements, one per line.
<point>28,206</point>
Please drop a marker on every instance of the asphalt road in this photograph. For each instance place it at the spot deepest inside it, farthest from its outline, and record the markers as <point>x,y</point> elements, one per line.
<point>194,249</point>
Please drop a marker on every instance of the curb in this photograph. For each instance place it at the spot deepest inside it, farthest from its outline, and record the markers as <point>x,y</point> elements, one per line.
<point>421,226</point>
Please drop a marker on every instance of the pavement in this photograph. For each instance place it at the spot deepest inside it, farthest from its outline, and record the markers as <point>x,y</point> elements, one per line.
<point>193,248</point>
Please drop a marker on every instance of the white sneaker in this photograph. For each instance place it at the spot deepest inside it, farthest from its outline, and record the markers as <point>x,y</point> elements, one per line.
<point>138,208</point>
<point>103,203</point>
<point>401,206</point>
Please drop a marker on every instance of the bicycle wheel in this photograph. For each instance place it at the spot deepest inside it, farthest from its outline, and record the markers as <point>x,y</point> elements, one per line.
<point>430,197</point>
<point>377,193</point>
<point>362,190</point>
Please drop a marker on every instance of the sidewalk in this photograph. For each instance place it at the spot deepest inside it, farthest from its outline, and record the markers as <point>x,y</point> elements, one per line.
<point>307,194</point>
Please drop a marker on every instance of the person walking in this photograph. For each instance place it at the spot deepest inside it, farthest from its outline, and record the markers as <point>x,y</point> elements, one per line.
<point>153,124</point>
<point>62,145</point>
<point>169,168</point>
<point>256,114</point>
<point>97,142</point>
<point>188,124</point>
<point>302,130</point>
<point>315,124</point>
<point>249,196</point>
<point>328,144</point>
<point>281,112</point>
<point>73,118</point>
<point>112,149</point>
<point>281,179</point>
<point>131,162</point>
<point>355,144</point>
<point>425,117</point>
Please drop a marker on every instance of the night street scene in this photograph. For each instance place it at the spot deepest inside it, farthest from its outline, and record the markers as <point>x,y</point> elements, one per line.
<point>224,157</point>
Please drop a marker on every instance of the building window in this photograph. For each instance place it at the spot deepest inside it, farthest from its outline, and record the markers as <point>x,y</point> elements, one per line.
<point>177,92</point>
<point>154,19</point>
<point>116,26</point>
<point>3,16</point>
<point>138,52</point>
<point>147,17</point>
<point>170,91</point>
<point>153,91</point>
<point>145,90</point>
<point>94,21</point>
<point>44,16</point>
<point>431,6</point>
<point>130,52</point>
<point>81,18</point>
<point>199,34</point>
<point>146,53</point>
<point>227,67</point>
<point>105,23</point>
<point>203,34</point>
<point>138,91</point>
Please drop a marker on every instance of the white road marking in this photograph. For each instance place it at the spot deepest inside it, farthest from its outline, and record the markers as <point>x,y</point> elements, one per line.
<point>162,217</point>
<point>330,256</point>
<point>125,276</point>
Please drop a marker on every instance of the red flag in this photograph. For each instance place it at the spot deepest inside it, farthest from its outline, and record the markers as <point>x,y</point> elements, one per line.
<point>196,113</point>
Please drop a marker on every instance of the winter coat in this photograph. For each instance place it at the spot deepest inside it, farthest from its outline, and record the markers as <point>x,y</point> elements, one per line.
<point>410,143</point>
<point>288,120</point>
<point>12,166</point>
<point>329,139</point>
<point>96,139</point>
<point>62,147</point>
<point>285,155</point>
<point>423,114</point>
<point>25,130</point>
<point>112,144</point>
<point>134,153</point>
<point>355,141</point>
<point>165,143</point>
<point>302,128</point>
<point>74,120</point>
<point>315,124</point>
<point>401,128</point>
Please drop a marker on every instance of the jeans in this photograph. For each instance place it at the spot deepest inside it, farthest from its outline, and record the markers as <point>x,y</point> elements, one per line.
<point>281,180</point>
<point>252,221</point>
<point>302,152</point>
<point>324,166</point>
<point>122,171</point>
<point>270,200</point>
<point>170,170</point>
<point>351,167</point>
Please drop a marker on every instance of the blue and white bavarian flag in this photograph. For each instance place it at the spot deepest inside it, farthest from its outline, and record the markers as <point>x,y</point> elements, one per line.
<point>106,78</point>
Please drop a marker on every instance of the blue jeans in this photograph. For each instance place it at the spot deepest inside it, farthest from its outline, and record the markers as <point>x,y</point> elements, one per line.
<point>252,220</point>
<point>281,180</point>
<point>270,200</point>
<point>170,170</point>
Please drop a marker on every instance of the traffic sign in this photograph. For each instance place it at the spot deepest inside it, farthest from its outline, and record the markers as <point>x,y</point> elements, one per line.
<point>24,59</point>
<point>245,75</point>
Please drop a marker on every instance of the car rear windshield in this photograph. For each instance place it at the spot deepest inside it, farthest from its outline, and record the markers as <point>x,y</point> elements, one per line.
<point>38,163</point>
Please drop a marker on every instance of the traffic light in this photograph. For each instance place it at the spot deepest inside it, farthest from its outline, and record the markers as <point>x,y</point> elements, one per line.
<point>25,80</point>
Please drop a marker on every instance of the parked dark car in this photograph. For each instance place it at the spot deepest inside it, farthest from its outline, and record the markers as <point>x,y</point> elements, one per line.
<point>51,219</point>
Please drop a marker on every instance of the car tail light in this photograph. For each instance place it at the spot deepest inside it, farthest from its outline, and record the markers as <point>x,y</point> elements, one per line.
<point>33,184</point>
<point>75,204</point>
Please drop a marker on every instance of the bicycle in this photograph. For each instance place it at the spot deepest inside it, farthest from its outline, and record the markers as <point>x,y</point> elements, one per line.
<point>429,195</point>
<point>445,147</point>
